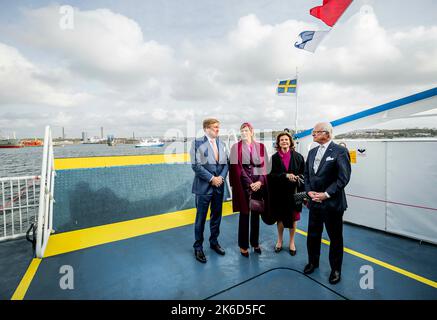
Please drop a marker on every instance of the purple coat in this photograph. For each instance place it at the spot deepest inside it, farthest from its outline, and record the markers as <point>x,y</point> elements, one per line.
<point>240,177</point>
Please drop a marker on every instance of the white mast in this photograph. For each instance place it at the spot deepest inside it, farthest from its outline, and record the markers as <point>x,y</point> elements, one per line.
<point>296,113</point>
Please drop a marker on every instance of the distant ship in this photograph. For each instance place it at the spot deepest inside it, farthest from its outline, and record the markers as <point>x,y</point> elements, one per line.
<point>32,143</point>
<point>10,143</point>
<point>94,140</point>
<point>150,143</point>
<point>111,141</point>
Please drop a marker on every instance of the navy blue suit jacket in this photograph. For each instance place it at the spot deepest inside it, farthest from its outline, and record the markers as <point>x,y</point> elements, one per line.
<point>205,166</point>
<point>332,177</point>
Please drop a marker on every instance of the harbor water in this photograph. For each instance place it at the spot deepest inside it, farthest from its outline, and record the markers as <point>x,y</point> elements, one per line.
<point>27,161</point>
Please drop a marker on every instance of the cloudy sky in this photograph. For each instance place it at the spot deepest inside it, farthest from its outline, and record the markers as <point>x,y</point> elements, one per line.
<point>149,66</point>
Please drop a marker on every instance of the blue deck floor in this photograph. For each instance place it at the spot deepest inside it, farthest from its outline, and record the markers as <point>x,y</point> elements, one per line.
<point>15,257</point>
<point>161,265</point>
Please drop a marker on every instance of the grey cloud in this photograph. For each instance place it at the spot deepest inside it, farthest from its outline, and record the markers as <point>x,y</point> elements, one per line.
<point>232,77</point>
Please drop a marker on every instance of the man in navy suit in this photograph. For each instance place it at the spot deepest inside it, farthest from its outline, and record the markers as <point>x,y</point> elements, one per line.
<point>209,158</point>
<point>327,172</point>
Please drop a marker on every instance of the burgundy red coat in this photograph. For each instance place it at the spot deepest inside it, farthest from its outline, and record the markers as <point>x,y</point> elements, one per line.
<point>240,181</point>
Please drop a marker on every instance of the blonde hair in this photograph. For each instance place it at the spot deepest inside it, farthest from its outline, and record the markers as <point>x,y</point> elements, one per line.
<point>208,122</point>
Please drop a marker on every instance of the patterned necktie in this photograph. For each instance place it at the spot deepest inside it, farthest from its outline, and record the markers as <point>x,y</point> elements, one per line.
<point>215,149</point>
<point>318,158</point>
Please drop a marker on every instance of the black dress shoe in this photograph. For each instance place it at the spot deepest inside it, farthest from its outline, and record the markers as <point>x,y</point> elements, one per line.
<point>309,268</point>
<point>257,250</point>
<point>292,252</point>
<point>218,249</point>
<point>334,277</point>
<point>200,256</point>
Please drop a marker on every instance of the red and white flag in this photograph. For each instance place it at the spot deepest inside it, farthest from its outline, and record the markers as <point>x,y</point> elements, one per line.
<point>330,11</point>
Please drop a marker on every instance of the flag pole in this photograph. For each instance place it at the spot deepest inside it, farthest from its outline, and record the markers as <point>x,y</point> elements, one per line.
<point>296,113</point>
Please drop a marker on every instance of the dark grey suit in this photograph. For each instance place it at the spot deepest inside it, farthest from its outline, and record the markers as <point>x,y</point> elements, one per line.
<point>332,176</point>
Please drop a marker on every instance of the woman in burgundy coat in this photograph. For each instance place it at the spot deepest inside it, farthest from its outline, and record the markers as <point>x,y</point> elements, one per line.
<point>248,178</point>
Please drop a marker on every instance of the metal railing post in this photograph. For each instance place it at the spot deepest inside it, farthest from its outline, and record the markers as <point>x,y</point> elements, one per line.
<point>46,196</point>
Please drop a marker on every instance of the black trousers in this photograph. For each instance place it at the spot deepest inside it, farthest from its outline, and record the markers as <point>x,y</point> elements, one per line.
<point>243,230</point>
<point>333,221</point>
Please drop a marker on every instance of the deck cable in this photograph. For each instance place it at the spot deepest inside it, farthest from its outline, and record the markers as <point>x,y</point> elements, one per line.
<point>279,268</point>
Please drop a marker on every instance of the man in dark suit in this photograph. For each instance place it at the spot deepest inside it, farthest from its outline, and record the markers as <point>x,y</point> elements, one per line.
<point>209,158</point>
<point>327,172</point>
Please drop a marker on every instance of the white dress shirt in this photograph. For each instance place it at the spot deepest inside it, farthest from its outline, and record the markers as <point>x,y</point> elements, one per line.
<point>319,155</point>
<point>212,141</point>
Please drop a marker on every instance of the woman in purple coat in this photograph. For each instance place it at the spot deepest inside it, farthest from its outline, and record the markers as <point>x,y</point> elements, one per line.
<point>248,179</point>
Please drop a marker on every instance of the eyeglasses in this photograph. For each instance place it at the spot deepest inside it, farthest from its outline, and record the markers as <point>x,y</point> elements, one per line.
<point>318,132</point>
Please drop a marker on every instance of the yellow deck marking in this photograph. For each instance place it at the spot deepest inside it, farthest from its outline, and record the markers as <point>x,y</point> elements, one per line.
<point>116,161</point>
<point>21,290</point>
<point>381,263</point>
<point>85,238</point>
<point>90,237</point>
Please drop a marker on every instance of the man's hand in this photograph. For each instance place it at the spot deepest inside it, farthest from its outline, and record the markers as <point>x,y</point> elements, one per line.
<point>217,181</point>
<point>317,196</point>
<point>321,196</point>
<point>256,186</point>
<point>313,196</point>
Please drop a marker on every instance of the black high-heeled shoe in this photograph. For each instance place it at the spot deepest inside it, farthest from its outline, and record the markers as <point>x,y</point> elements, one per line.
<point>278,249</point>
<point>257,250</point>
<point>245,254</point>
<point>291,251</point>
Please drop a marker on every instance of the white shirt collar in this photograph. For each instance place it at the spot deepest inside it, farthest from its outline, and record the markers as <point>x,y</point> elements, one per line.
<point>326,144</point>
<point>210,139</point>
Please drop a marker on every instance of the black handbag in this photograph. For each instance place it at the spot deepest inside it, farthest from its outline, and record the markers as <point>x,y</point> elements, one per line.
<point>256,206</point>
<point>300,197</point>
<point>261,207</point>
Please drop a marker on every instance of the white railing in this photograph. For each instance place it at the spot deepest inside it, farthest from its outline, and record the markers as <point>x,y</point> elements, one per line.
<point>45,212</point>
<point>19,200</point>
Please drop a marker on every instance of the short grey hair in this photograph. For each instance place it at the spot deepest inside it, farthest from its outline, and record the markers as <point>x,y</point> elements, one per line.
<point>326,126</point>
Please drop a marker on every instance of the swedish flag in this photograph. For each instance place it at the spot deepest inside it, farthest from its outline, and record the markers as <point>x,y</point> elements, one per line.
<point>287,87</point>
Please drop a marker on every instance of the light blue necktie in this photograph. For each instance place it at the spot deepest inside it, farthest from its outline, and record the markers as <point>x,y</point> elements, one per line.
<point>318,158</point>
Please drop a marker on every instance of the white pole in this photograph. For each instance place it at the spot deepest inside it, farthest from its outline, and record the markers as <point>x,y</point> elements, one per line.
<point>42,198</point>
<point>296,115</point>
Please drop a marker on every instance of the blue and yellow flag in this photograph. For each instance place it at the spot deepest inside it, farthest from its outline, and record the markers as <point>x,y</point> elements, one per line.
<point>287,87</point>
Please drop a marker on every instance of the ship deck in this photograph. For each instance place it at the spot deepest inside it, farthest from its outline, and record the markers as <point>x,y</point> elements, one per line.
<point>120,246</point>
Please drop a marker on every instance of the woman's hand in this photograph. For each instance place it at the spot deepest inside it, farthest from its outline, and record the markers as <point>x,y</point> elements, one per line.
<point>256,186</point>
<point>291,177</point>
